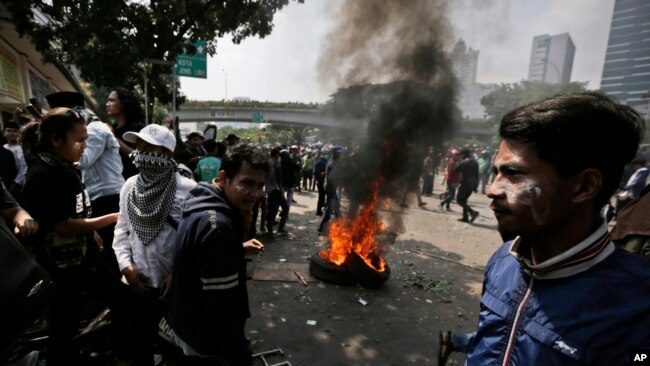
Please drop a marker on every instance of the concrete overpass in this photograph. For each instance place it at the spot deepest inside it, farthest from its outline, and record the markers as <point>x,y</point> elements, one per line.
<point>296,117</point>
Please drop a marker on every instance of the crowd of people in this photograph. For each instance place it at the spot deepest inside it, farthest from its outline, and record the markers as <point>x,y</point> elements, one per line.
<point>161,227</point>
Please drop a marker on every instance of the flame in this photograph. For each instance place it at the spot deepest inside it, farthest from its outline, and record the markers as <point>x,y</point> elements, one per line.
<point>357,235</point>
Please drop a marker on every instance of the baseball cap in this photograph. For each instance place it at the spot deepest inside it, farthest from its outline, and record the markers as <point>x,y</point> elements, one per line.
<point>337,149</point>
<point>154,134</point>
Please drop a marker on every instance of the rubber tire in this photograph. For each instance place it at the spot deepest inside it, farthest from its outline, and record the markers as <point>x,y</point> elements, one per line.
<point>366,276</point>
<point>330,272</point>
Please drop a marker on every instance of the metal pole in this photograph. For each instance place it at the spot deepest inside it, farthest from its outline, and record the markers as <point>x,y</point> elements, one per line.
<point>225,75</point>
<point>146,97</point>
<point>174,105</point>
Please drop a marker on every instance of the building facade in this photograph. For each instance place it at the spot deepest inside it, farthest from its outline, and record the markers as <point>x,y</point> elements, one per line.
<point>551,59</point>
<point>626,74</point>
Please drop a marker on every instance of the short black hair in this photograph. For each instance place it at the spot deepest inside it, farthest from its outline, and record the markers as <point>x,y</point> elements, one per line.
<point>210,145</point>
<point>235,157</point>
<point>574,132</point>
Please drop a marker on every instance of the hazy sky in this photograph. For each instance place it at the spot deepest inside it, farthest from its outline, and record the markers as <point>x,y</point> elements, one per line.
<point>282,66</point>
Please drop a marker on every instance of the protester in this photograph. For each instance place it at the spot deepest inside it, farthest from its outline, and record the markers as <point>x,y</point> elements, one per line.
<point>124,109</point>
<point>23,223</point>
<point>8,168</point>
<point>451,179</point>
<point>484,169</point>
<point>560,293</point>
<point>333,206</point>
<point>231,140</point>
<point>150,209</point>
<point>209,300</point>
<point>634,185</point>
<point>194,143</point>
<point>319,177</point>
<point>307,170</point>
<point>632,230</point>
<point>101,171</point>
<point>11,133</point>
<point>56,198</point>
<point>208,168</point>
<point>428,172</point>
<point>468,169</point>
<point>290,174</point>
<point>275,195</point>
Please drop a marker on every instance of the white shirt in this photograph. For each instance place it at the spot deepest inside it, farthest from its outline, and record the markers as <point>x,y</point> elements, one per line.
<point>20,163</point>
<point>154,260</point>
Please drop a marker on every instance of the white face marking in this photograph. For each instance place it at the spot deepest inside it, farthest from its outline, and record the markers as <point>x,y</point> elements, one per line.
<point>527,193</point>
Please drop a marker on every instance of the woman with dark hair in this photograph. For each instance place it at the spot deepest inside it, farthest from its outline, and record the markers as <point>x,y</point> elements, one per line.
<point>123,107</point>
<point>56,198</point>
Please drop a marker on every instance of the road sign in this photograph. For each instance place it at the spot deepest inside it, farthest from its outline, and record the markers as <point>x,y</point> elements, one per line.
<point>258,117</point>
<point>194,66</point>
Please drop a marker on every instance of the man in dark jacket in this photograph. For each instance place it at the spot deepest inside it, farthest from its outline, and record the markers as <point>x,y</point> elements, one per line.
<point>468,168</point>
<point>560,293</point>
<point>209,300</point>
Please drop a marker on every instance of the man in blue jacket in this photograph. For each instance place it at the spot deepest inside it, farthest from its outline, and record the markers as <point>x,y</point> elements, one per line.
<point>209,300</point>
<point>559,292</point>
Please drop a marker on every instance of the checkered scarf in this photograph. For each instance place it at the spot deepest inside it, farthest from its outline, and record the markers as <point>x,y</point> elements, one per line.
<point>151,197</point>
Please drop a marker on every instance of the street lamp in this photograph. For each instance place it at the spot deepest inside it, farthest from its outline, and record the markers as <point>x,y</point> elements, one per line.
<point>146,89</point>
<point>225,76</point>
<point>557,71</point>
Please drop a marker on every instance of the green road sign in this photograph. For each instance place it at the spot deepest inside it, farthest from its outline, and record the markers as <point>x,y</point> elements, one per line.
<point>258,117</point>
<point>194,66</point>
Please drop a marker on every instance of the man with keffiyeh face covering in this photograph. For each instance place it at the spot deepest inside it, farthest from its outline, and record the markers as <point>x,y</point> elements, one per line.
<point>146,231</point>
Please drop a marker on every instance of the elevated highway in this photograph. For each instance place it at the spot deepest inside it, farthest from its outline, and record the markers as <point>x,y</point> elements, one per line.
<point>296,117</point>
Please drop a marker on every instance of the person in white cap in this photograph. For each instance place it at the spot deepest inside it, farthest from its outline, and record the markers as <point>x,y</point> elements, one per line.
<point>150,208</point>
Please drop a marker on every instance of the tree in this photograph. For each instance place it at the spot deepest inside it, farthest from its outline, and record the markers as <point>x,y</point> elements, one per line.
<point>108,40</point>
<point>510,96</point>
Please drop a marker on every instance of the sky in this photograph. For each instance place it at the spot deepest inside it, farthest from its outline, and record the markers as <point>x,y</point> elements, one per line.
<point>282,66</point>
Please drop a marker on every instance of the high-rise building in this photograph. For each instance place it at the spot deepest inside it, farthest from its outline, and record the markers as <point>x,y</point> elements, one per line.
<point>464,61</point>
<point>551,59</point>
<point>626,75</point>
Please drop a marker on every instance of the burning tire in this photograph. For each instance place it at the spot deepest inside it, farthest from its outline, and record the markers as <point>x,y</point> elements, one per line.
<point>365,274</point>
<point>327,271</point>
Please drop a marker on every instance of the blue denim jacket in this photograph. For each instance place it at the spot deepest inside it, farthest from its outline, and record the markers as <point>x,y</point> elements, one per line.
<point>100,164</point>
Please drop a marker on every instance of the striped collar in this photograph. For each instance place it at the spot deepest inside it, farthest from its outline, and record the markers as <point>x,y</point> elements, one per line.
<point>586,254</point>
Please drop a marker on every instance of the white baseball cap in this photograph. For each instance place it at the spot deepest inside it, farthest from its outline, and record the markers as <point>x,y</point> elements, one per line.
<point>154,134</point>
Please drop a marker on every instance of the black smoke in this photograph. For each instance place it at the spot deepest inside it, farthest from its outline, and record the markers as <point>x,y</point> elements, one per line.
<point>387,60</point>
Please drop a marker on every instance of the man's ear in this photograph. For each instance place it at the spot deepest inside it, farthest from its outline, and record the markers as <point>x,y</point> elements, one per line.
<point>222,176</point>
<point>587,185</point>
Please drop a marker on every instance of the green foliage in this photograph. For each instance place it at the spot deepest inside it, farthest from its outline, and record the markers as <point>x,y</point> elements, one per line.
<point>249,104</point>
<point>108,40</point>
<point>271,134</point>
<point>509,96</point>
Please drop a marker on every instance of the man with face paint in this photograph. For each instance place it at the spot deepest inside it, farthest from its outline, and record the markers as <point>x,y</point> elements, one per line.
<point>150,209</point>
<point>209,300</point>
<point>560,292</point>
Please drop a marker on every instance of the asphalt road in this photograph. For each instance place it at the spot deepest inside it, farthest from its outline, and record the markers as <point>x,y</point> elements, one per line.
<point>436,273</point>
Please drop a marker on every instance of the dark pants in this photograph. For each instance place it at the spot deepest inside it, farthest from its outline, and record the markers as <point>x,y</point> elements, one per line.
<point>321,196</point>
<point>145,312</point>
<point>427,184</point>
<point>65,314</point>
<point>110,286</point>
<point>462,197</point>
<point>275,201</point>
<point>333,208</point>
